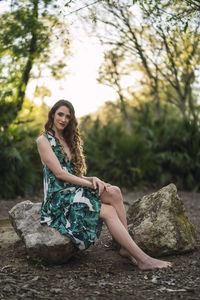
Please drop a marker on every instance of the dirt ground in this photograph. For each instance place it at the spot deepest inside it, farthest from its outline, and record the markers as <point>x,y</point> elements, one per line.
<point>99,272</point>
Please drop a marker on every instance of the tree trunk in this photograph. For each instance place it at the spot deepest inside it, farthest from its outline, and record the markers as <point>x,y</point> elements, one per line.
<point>124,113</point>
<point>27,69</point>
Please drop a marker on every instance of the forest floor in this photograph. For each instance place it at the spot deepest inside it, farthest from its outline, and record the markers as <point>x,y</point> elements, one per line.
<point>99,272</point>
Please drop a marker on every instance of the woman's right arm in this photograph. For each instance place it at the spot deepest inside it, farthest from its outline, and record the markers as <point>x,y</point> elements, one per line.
<point>49,158</point>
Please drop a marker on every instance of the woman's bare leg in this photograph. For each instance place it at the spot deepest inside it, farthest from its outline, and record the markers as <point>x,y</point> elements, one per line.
<point>113,196</point>
<point>120,234</point>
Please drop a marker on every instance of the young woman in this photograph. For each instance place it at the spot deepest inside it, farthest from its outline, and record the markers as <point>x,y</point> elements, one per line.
<point>77,205</point>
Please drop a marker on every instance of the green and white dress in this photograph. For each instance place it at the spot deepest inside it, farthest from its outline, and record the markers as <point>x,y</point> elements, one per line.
<point>72,209</point>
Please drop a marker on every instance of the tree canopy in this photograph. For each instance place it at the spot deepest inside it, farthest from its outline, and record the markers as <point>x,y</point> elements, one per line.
<point>28,35</point>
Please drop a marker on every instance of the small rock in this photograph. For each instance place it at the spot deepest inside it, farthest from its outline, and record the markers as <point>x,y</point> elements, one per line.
<point>35,278</point>
<point>154,280</point>
<point>55,290</point>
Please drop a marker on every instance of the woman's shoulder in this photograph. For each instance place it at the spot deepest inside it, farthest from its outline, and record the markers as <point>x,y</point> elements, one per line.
<point>40,139</point>
<point>46,138</point>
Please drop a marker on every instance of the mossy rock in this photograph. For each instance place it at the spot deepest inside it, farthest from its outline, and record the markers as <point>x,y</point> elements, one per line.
<point>159,224</point>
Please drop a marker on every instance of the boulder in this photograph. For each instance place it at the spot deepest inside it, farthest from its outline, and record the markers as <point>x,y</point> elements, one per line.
<point>41,241</point>
<point>159,224</point>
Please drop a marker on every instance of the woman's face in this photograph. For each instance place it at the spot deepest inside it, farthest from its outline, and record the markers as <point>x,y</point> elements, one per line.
<point>61,118</point>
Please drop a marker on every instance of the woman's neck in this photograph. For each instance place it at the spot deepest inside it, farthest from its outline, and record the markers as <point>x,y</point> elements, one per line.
<point>58,133</point>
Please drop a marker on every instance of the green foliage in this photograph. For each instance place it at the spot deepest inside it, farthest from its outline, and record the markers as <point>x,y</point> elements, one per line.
<point>162,146</point>
<point>115,156</point>
<point>158,151</point>
<point>178,153</point>
<point>20,172</point>
<point>38,261</point>
<point>20,168</point>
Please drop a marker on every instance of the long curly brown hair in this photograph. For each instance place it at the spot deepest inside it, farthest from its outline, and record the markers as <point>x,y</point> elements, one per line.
<point>71,135</point>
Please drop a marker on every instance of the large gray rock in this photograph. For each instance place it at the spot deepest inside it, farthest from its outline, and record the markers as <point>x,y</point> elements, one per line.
<point>159,224</point>
<point>41,241</point>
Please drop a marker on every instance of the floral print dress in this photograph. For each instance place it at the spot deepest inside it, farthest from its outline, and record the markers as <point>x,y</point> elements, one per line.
<point>72,209</point>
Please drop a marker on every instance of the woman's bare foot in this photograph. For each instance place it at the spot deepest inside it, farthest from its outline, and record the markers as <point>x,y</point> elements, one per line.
<point>124,253</point>
<point>152,263</point>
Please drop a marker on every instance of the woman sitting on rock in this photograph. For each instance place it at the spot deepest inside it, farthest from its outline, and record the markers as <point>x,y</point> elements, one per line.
<point>76,205</point>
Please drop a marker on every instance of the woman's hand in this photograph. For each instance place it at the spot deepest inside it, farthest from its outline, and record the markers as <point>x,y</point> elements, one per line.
<point>99,184</point>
